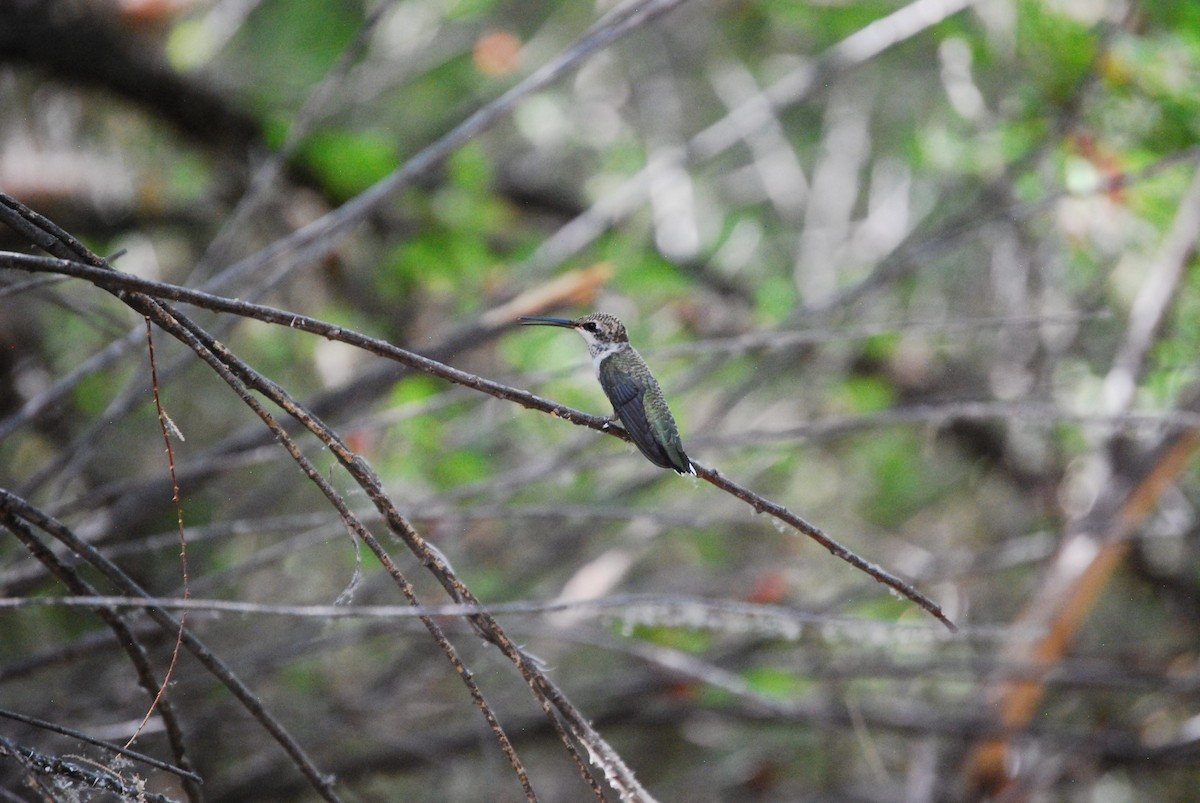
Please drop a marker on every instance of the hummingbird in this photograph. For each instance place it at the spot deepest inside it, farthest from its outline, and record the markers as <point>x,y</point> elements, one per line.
<point>626,379</point>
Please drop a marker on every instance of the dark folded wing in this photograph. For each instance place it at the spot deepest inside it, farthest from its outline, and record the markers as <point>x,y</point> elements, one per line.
<point>627,396</point>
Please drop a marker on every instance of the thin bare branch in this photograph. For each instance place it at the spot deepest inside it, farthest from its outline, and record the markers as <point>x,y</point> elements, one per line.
<point>114,281</point>
<point>116,749</point>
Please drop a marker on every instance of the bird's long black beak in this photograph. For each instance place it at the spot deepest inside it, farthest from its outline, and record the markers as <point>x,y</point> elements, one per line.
<point>563,322</point>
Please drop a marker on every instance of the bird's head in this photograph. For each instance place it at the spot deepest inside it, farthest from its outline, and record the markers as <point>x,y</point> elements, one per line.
<point>598,328</point>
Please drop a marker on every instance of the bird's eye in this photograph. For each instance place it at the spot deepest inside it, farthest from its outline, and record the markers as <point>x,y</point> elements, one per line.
<point>591,326</point>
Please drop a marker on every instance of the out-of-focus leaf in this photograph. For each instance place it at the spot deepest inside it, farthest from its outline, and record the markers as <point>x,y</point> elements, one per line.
<point>350,161</point>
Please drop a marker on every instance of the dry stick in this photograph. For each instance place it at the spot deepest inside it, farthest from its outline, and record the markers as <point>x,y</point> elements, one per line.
<point>235,373</point>
<point>165,424</point>
<point>10,503</point>
<point>53,239</point>
<point>120,751</point>
<point>219,358</point>
<point>19,527</point>
<point>780,512</point>
<point>549,697</point>
<point>119,281</point>
<point>35,763</point>
<point>227,367</point>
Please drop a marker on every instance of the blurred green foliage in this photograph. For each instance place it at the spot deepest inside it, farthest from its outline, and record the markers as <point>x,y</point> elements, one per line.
<point>350,161</point>
<point>299,39</point>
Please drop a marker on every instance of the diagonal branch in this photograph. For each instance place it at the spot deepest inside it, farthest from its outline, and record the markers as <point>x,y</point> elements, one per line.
<point>238,376</point>
<point>132,645</point>
<point>763,505</point>
<point>229,367</point>
<point>120,282</point>
<point>17,511</point>
<point>115,749</point>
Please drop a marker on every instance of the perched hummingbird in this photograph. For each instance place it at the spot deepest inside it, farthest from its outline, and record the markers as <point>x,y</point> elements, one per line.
<point>635,395</point>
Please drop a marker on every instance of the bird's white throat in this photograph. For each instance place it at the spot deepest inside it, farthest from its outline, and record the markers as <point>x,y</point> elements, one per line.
<point>600,351</point>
